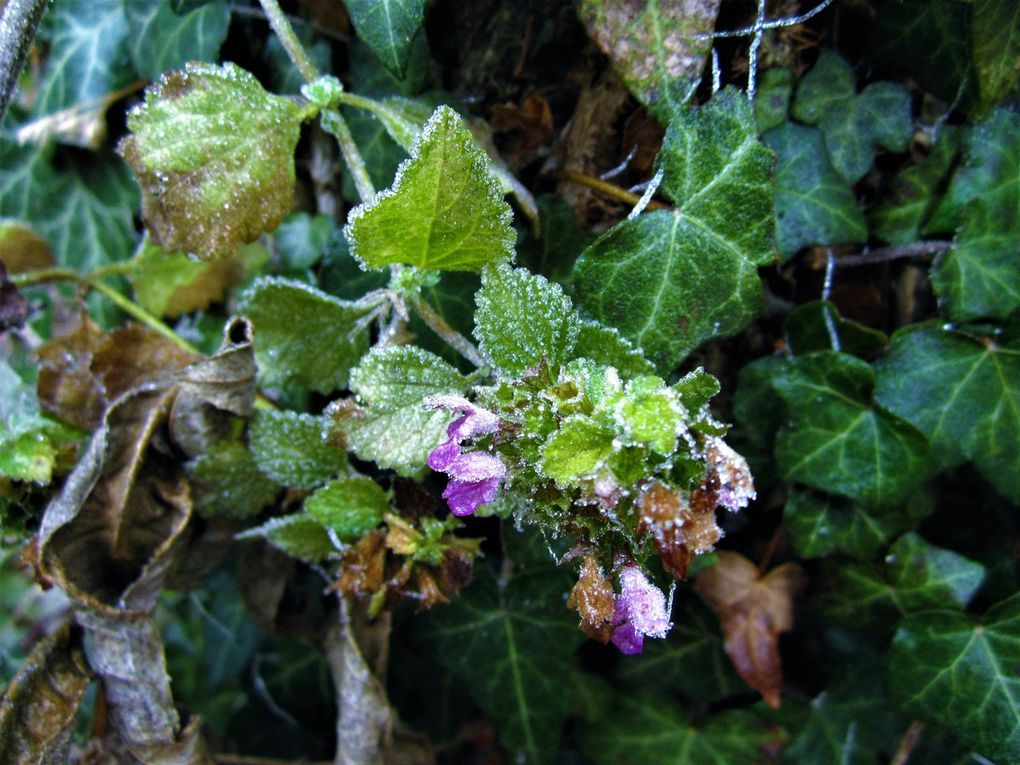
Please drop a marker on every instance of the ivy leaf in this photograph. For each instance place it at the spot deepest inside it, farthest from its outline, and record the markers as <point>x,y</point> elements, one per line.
<point>652,729</point>
<point>960,673</point>
<point>854,124</point>
<point>292,448</point>
<point>301,240</point>
<point>228,483</point>
<point>84,209</point>
<point>658,49</point>
<point>523,318</point>
<point>214,155</point>
<point>670,281</point>
<point>977,277</point>
<point>297,535</point>
<point>444,211</point>
<point>814,205</point>
<point>388,27</point>
<point>772,101</point>
<point>837,441</point>
<point>808,326</point>
<point>394,428</point>
<point>302,335</point>
<point>963,393</point>
<point>350,506</point>
<point>512,642</point>
<point>995,46</point>
<point>162,38</point>
<point>754,609</point>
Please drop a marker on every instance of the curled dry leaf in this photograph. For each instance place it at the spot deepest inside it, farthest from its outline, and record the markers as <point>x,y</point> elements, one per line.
<point>753,610</point>
<point>681,528</point>
<point>594,600</point>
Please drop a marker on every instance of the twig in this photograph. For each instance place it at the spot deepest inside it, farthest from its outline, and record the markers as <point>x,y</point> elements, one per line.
<point>18,24</point>
<point>752,53</point>
<point>910,739</point>
<point>788,21</point>
<point>454,339</point>
<point>611,190</point>
<point>883,254</point>
<point>772,549</point>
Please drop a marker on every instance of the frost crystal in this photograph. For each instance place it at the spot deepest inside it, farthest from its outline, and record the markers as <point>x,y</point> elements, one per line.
<point>640,611</point>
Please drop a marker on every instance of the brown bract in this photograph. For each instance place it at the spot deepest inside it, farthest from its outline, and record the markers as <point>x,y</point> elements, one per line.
<point>594,600</point>
<point>681,528</point>
<point>753,610</point>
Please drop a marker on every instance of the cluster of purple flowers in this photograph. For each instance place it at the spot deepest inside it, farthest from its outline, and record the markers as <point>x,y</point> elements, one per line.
<point>640,611</point>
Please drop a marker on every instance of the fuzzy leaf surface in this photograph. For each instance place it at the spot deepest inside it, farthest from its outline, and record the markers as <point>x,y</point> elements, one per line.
<point>297,535</point>
<point>350,506</point>
<point>291,448</point>
<point>228,483</point>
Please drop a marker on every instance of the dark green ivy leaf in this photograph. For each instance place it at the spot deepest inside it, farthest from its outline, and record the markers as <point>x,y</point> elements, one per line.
<point>995,46</point>
<point>817,326</point>
<point>162,38</point>
<point>388,27</point>
<point>772,101</point>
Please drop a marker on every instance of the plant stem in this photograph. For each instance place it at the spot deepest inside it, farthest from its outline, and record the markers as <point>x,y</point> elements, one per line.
<point>611,190</point>
<point>883,254</point>
<point>910,739</point>
<point>281,26</point>
<point>18,24</point>
<point>455,339</point>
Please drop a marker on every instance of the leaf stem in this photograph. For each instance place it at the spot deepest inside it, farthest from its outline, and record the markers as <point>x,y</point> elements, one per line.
<point>611,190</point>
<point>18,25</point>
<point>281,26</point>
<point>455,339</point>
<point>883,254</point>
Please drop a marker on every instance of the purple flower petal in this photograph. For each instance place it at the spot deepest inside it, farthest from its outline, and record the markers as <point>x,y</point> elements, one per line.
<point>642,604</point>
<point>441,457</point>
<point>476,466</point>
<point>475,421</point>
<point>628,639</point>
<point>464,497</point>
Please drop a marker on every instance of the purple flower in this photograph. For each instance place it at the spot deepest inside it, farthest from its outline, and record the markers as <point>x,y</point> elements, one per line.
<point>736,487</point>
<point>474,476</point>
<point>640,611</point>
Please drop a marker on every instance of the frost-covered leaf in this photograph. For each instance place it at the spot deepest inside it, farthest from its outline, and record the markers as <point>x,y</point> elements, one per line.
<point>82,204</point>
<point>772,100</point>
<point>163,38</point>
<point>995,48</point>
<point>837,441</point>
<point>351,506</point>
<point>814,205</point>
<point>394,428</point>
<point>606,345</point>
<point>388,27</point>
<point>297,535</point>
<point>964,394</point>
<point>303,335</point>
<point>228,483</point>
<point>576,450</point>
<point>292,448</point>
<point>854,124</point>
<point>654,46</point>
<point>523,318</point>
<point>214,155</point>
<point>977,277</point>
<point>962,674</point>
<point>444,211</point>
<point>651,729</point>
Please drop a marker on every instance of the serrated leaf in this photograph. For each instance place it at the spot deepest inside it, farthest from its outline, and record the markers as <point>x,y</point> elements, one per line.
<point>381,153</point>
<point>772,99</point>
<point>292,448</point>
<point>388,27</point>
<point>960,673</point>
<point>83,209</point>
<point>228,482</point>
<point>670,281</point>
<point>964,394</point>
<point>395,429</point>
<point>162,38</point>
<point>444,211</point>
<point>977,277</point>
<point>854,124</point>
<point>297,535</point>
<point>512,642</point>
<point>351,506</point>
<point>523,318</point>
<point>214,155</point>
<point>837,441</point>
<point>814,205</point>
<point>657,48</point>
<point>995,47</point>
<point>653,729</point>
<point>576,450</point>
<point>302,335</point>
<point>606,345</point>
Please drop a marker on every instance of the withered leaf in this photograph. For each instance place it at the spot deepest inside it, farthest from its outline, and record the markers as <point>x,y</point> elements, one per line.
<point>594,600</point>
<point>38,711</point>
<point>753,610</point>
<point>362,567</point>
<point>22,249</point>
<point>681,528</point>
<point>13,306</point>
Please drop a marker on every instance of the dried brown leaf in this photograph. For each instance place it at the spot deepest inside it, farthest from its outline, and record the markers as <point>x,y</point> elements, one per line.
<point>362,568</point>
<point>681,528</point>
<point>753,610</point>
<point>13,306</point>
<point>22,249</point>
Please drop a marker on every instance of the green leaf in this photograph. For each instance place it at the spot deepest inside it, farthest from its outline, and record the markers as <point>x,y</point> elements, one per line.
<point>758,413</point>
<point>444,211</point>
<point>854,124</point>
<point>513,643</point>
<point>552,251</point>
<point>670,281</point>
<point>388,27</point>
<point>228,482</point>
<point>652,729</point>
<point>606,345</point>
<point>302,335</point>
<point>301,240</point>
<point>809,325</point>
<point>837,441</point>
<point>214,155</point>
<point>977,277</point>
<point>381,154</point>
<point>83,209</point>
<point>962,674</point>
<point>350,506</point>
<point>293,449</point>
<point>523,318</point>
<point>162,39</point>
<point>297,535</point>
<point>995,46</point>
<point>453,298</point>
<point>395,429</point>
<point>576,451</point>
<point>657,48</point>
<point>772,100</point>
<point>814,205</point>
<point>28,439</point>
<point>963,393</point>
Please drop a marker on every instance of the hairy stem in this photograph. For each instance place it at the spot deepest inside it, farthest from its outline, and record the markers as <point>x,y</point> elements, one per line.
<point>454,339</point>
<point>281,26</point>
<point>611,190</point>
<point>18,24</point>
